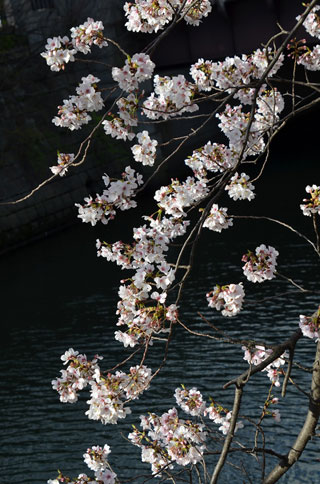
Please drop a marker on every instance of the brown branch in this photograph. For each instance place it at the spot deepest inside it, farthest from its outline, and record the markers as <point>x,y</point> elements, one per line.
<point>288,372</point>
<point>307,430</point>
<point>278,350</point>
<point>229,437</point>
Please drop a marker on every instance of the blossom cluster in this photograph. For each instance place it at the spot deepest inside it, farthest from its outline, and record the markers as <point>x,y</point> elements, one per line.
<point>234,72</point>
<point>176,197</point>
<point>137,69</point>
<point>218,219</point>
<point>108,392</point>
<point>61,50</point>
<point>150,16</point>
<point>310,325</point>
<point>142,305</point>
<point>212,157</point>
<point>259,354</point>
<point>172,97</point>
<point>192,402</point>
<point>96,460</point>
<point>229,298</point>
<point>74,111</point>
<point>168,439</point>
<point>260,266</point>
<point>235,122</point>
<point>240,188</point>
<point>96,457</point>
<point>78,374</point>
<point>312,22</point>
<point>118,195</point>
<point>64,161</point>
<point>312,204</point>
<point>120,126</point>
<point>145,151</point>
<point>310,58</point>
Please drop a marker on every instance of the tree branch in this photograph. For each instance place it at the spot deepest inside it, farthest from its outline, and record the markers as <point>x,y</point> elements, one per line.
<point>308,428</point>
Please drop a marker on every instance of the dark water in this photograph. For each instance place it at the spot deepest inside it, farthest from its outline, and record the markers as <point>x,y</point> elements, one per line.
<point>57,295</point>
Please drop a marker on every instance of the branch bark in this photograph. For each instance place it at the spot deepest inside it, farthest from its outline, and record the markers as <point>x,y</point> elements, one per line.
<point>308,428</point>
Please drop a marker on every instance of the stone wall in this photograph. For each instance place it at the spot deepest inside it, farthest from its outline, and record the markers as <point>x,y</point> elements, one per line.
<point>29,96</point>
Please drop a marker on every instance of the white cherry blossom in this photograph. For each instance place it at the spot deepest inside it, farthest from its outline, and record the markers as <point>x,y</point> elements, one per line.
<point>218,219</point>
<point>240,188</point>
<point>145,151</point>
<point>64,161</point>
<point>312,22</point>
<point>312,205</point>
<point>227,298</point>
<point>137,69</point>
<point>260,266</point>
<point>310,325</point>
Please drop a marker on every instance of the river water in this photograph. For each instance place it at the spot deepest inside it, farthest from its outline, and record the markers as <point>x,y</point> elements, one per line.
<point>58,294</point>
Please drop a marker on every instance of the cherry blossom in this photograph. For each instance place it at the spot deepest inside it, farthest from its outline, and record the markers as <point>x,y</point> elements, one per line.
<point>145,151</point>
<point>74,111</point>
<point>258,354</point>
<point>240,188</point>
<point>215,412</point>
<point>169,439</point>
<point>191,401</point>
<point>96,457</point>
<point>234,72</point>
<point>177,196</point>
<point>118,195</point>
<point>310,325</point>
<point>64,161</point>
<point>312,22</point>
<point>234,123</point>
<point>310,59</point>
<point>313,203</point>
<point>150,16</point>
<point>210,157</point>
<point>192,12</point>
<point>137,69</point>
<point>91,32</point>
<point>120,127</point>
<point>229,298</point>
<point>116,128</point>
<point>147,16</point>
<point>78,374</point>
<point>60,50</point>
<point>225,424</point>
<point>218,219</point>
<point>276,415</point>
<point>172,97</point>
<point>260,266</point>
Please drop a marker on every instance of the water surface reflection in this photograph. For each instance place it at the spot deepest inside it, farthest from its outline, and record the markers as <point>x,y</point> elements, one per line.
<point>59,295</point>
